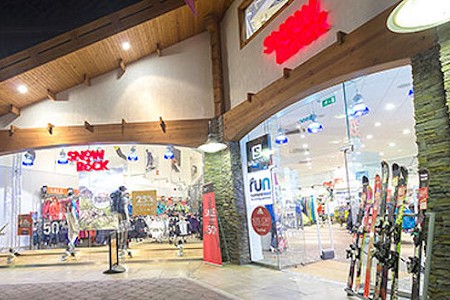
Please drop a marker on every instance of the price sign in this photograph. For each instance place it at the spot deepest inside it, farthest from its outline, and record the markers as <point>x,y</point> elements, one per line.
<point>144,203</point>
<point>261,220</point>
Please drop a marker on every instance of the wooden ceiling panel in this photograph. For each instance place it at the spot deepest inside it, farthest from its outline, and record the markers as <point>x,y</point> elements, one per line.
<point>101,56</point>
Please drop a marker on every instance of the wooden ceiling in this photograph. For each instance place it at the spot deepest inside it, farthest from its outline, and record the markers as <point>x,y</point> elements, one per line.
<point>95,49</point>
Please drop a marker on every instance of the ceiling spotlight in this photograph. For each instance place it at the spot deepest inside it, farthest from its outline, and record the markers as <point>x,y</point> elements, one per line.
<point>306,152</point>
<point>418,15</point>
<point>28,158</point>
<point>369,136</point>
<point>315,127</point>
<point>212,144</point>
<point>22,89</point>
<point>302,136</point>
<point>406,131</point>
<point>126,46</point>
<point>305,146</point>
<point>359,109</point>
<point>377,124</point>
<point>391,144</point>
<point>63,159</point>
<point>169,153</point>
<point>133,156</point>
<point>281,138</point>
<point>381,153</point>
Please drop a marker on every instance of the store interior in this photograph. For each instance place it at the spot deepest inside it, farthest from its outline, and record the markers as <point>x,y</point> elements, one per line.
<point>320,147</point>
<point>163,188</point>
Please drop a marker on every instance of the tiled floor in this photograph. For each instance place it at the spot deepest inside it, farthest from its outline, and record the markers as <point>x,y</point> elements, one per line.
<point>168,280</point>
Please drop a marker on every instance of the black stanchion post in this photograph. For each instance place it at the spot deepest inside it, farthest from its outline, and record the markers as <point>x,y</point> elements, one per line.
<point>114,265</point>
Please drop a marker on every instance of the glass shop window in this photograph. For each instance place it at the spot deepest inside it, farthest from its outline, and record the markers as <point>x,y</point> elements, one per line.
<point>255,14</point>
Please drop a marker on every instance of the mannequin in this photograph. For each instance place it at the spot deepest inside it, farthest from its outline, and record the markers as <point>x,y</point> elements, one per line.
<point>120,201</point>
<point>70,205</point>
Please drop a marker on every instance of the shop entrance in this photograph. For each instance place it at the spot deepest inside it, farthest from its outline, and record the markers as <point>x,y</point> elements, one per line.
<point>59,205</point>
<point>313,156</point>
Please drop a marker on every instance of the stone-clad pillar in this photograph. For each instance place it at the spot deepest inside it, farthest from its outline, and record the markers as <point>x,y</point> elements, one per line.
<point>431,76</point>
<point>224,169</point>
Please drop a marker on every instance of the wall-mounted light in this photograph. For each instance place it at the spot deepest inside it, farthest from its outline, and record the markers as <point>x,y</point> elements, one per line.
<point>133,156</point>
<point>212,144</point>
<point>63,159</point>
<point>281,138</point>
<point>28,158</point>
<point>418,15</point>
<point>169,153</point>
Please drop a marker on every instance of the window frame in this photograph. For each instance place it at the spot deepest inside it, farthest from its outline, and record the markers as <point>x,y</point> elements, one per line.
<point>241,18</point>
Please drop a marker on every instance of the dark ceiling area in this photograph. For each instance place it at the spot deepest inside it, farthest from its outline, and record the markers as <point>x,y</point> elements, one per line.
<point>25,23</point>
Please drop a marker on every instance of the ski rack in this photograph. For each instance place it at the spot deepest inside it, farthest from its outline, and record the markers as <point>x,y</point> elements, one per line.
<point>430,237</point>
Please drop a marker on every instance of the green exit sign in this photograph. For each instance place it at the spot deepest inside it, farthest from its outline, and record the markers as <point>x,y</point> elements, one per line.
<point>329,101</point>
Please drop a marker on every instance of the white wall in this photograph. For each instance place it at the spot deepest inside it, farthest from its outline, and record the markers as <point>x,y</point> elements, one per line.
<point>177,85</point>
<point>249,70</point>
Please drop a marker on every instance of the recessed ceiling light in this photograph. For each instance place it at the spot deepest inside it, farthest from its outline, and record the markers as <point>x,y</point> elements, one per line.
<point>377,124</point>
<point>334,142</point>
<point>308,159</point>
<point>302,136</point>
<point>389,106</point>
<point>363,146</point>
<point>369,136</point>
<point>406,131</point>
<point>391,144</point>
<point>306,152</point>
<point>22,89</point>
<point>310,168</point>
<point>305,146</point>
<point>126,46</point>
<point>381,153</point>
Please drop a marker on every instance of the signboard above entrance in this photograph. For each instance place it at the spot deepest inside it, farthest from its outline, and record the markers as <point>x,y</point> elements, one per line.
<point>298,31</point>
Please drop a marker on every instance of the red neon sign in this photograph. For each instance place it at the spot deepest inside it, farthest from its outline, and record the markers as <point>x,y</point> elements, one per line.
<point>89,160</point>
<point>298,31</point>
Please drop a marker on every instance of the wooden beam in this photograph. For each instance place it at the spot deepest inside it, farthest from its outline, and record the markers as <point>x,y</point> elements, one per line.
<point>122,68</point>
<point>370,48</point>
<point>88,126</point>
<point>14,110</point>
<point>85,35</point>
<point>213,26</point>
<point>189,133</point>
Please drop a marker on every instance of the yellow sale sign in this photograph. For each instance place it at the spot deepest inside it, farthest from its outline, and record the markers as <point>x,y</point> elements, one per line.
<point>144,203</point>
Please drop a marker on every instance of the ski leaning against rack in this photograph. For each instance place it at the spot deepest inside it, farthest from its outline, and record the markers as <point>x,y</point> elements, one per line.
<point>388,229</point>
<point>400,207</point>
<point>373,218</point>
<point>364,231</point>
<point>380,253</point>
<point>415,263</point>
<point>358,231</point>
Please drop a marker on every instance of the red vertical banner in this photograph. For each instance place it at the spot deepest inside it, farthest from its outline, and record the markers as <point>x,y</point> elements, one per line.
<point>211,240</point>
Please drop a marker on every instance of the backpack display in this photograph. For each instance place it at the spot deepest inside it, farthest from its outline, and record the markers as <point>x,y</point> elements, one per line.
<point>116,201</point>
